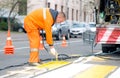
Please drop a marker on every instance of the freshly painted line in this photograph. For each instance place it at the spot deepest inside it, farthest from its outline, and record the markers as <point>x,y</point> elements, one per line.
<point>79,60</point>
<point>98,59</point>
<point>115,74</point>
<point>98,52</point>
<point>88,59</point>
<point>53,64</point>
<point>97,71</point>
<point>82,59</point>
<point>66,72</point>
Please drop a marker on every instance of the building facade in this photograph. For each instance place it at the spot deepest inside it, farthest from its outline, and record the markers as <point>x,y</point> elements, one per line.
<point>75,10</point>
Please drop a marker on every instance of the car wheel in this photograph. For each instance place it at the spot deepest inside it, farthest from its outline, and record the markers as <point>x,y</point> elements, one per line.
<point>58,37</point>
<point>112,49</point>
<point>67,36</point>
<point>105,49</point>
<point>20,30</point>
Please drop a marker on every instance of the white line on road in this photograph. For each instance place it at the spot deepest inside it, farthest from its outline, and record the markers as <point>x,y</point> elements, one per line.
<point>45,45</point>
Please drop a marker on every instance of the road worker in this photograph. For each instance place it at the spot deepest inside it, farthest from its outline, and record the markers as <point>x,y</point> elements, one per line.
<point>41,19</point>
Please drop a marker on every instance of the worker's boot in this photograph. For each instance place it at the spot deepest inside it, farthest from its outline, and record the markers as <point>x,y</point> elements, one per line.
<point>34,59</point>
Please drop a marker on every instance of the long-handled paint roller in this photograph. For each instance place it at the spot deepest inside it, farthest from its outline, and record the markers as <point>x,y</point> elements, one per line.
<point>54,53</point>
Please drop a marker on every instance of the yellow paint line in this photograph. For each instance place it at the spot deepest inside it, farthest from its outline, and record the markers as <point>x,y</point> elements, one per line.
<point>98,71</point>
<point>98,59</point>
<point>53,64</point>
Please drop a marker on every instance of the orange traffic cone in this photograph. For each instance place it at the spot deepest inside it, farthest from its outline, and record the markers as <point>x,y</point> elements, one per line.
<point>41,47</point>
<point>9,49</point>
<point>64,43</point>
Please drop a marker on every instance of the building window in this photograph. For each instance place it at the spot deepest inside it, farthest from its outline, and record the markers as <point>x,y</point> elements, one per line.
<point>67,13</point>
<point>61,8</point>
<point>76,15</point>
<point>55,6</point>
<point>72,14</point>
<point>22,10</point>
<point>84,16</point>
<point>48,5</point>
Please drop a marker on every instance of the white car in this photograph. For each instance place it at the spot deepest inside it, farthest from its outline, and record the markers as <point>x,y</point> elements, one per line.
<point>92,26</point>
<point>77,29</point>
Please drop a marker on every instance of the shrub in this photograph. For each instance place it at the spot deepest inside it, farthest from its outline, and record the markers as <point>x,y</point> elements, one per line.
<point>3,26</point>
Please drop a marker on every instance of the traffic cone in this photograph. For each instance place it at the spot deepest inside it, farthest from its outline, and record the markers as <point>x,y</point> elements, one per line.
<point>64,43</point>
<point>9,49</point>
<point>41,47</point>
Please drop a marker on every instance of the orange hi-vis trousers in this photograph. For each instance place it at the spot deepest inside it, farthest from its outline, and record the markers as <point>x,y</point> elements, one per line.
<point>34,38</point>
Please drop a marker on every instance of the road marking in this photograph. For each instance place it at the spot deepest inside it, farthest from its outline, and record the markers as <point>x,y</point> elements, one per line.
<point>98,59</point>
<point>115,74</point>
<point>26,72</point>
<point>99,71</point>
<point>45,45</point>
<point>88,59</point>
<point>53,64</point>
<point>66,71</point>
<point>30,72</point>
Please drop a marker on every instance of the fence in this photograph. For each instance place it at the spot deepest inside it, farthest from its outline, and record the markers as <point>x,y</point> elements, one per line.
<point>89,37</point>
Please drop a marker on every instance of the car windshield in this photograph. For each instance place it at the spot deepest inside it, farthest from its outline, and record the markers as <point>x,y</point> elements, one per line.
<point>92,25</point>
<point>78,25</point>
<point>56,25</point>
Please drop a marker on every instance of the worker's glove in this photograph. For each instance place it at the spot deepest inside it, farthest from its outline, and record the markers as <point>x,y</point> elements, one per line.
<point>53,51</point>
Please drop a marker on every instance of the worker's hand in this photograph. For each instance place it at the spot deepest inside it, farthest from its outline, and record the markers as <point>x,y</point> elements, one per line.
<point>53,51</point>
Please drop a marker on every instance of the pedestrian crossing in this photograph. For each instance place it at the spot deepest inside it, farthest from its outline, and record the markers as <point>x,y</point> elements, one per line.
<point>80,68</point>
<point>96,71</point>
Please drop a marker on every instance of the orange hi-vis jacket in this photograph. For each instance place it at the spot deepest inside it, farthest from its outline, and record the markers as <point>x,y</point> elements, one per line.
<point>42,18</point>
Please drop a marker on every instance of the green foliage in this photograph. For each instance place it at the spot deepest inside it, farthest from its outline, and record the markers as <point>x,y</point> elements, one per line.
<point>3,26</point>
<point>23,8</point>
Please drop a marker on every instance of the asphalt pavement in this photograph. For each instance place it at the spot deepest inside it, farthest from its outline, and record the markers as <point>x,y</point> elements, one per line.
<point>15,36</point>
<point>21,43</point>
<point>15,66</point>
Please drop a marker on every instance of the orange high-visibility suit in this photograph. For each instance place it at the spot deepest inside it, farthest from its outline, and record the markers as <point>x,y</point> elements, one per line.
<point>39,19</point>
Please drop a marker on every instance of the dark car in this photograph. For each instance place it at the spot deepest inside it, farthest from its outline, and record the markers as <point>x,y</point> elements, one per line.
<point>60,30</point>
<point>15,24</point>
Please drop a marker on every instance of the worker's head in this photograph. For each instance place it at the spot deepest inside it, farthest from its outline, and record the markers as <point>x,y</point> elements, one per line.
<point>60,17</point>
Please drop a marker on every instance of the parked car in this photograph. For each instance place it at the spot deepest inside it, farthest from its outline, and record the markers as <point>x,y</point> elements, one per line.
<point>77,29</point>
<point>60,30</point>
<point>16,25</point>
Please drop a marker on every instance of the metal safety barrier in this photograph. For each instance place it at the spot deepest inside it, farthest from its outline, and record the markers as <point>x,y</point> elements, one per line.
<point>88,37</point>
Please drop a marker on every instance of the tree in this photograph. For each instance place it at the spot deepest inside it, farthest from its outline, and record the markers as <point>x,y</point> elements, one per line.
<point>11,8</point>
<point>9,25</point>
<point>22,10</point>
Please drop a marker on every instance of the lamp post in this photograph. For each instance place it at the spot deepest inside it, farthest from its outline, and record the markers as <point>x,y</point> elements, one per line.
<point>95,14</point>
